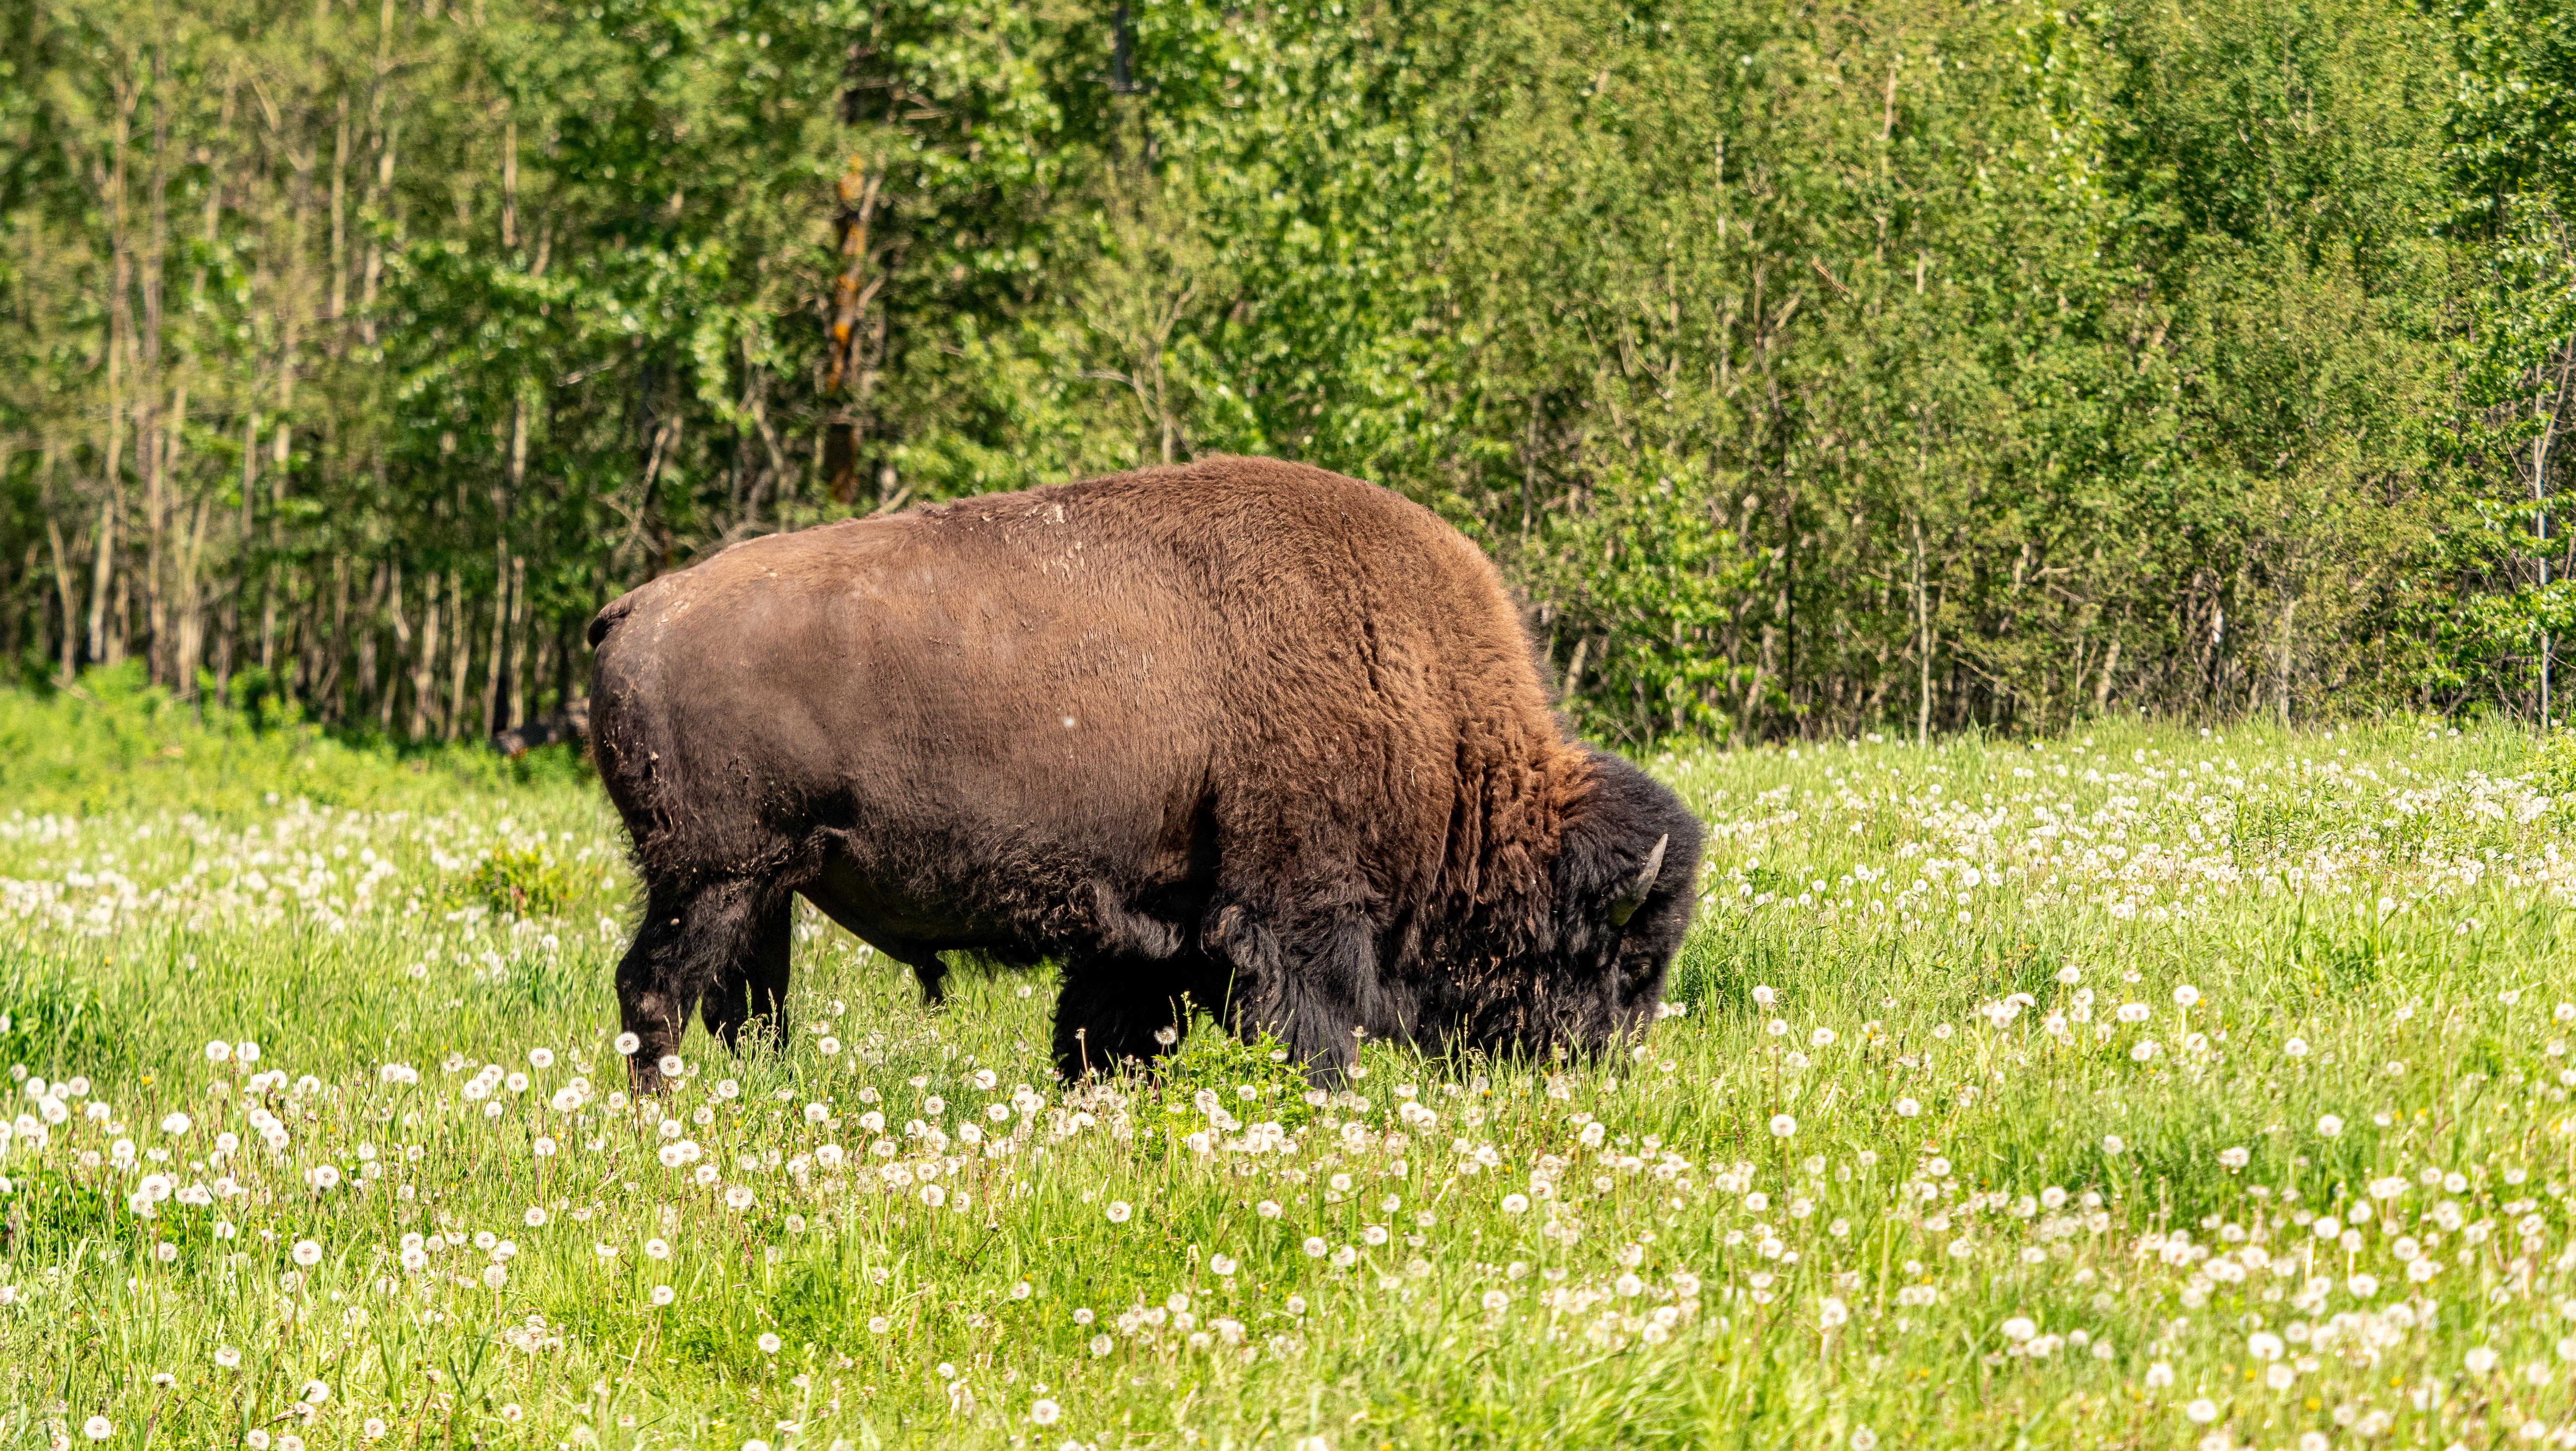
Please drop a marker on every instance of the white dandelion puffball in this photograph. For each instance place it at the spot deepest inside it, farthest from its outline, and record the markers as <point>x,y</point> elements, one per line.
<point>2186,995</point>
<point>768,1343</point>
<point>663,1295</point>
<point>2112,1144</point>
<point>218,1051</point>
<point>307,1253</point>
<point>316,1392</point>
<point>2019,1329</point>
<point>98,1428</point>
<point>2296,1047</point>
<point>1512,1204</point>
<point>671,1066</point>
<point>175,1125</point>
<point>2330,1126</point>
<point>1119,1210</point>
<point>1907,1108</point>
<point>628,1044</point>
<point>1497,1301</point>
<point>1782,1126</point>
<point>535,1217</point>
<point>1315,1247</point>
<point>2202,1411</point>
<point>1044,1412</point>
<point>1222,1264</point>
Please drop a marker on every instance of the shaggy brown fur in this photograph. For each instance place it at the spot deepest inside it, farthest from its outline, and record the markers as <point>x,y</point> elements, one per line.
<point>1239,729</point>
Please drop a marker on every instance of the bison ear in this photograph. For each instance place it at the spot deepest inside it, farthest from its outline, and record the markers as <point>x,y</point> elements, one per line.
<point>1635,896</point>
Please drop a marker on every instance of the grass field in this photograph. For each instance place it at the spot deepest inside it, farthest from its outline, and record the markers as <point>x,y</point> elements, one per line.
<point>2141,1088</point>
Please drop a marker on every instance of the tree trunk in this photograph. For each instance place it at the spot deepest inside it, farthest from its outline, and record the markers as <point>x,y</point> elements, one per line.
<point>1923,642</point>
<point>848,375</point>
<point>463,661</point>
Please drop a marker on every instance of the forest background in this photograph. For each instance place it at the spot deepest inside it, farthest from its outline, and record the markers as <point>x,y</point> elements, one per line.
<point>1813,370</point>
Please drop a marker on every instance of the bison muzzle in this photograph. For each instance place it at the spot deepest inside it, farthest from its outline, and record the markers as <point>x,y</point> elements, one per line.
<point>1238,732</point>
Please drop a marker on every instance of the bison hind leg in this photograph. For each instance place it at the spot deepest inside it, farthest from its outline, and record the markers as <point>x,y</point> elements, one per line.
<point>722,943</point>
<point>750,989</point>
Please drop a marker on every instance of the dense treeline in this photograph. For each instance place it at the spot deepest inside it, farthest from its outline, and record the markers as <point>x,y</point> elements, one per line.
<point>1814,370</point>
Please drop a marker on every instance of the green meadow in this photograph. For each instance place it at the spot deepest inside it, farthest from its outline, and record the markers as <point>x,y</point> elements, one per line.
<point>2137,1087</point>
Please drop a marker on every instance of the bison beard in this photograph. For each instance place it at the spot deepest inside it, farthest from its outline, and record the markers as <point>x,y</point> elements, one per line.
<point>1238,732</point>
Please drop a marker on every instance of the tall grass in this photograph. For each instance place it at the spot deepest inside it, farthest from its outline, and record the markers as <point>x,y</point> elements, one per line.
<point>1901,1170</point>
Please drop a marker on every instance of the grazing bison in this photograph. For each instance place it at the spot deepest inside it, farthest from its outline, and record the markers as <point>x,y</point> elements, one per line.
<point>1242,730</point>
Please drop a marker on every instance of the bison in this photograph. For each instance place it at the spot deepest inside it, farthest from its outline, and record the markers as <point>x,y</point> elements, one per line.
<point>1238,732</point>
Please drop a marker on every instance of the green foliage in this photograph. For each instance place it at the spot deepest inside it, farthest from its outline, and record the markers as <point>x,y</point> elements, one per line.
<point>114,742</point>
<point>50,1018</point>
<point>525,881</point>
<point>1812,371</point>
<point>1210,1072</point>
<point>2553,763</point>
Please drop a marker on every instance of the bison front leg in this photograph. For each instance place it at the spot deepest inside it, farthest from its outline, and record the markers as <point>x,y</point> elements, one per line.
<point>1309,980</point>
<point>1117,1013</point>
<point>696,940</point>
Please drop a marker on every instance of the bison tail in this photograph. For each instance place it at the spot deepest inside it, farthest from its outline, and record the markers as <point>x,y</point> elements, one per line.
<point>607,618</point>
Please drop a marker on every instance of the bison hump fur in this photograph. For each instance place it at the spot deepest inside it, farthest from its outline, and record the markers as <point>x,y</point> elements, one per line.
<point>1238,732</point>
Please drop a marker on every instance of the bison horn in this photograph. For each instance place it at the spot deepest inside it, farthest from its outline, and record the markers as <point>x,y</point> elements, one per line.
<point>1635,897</point>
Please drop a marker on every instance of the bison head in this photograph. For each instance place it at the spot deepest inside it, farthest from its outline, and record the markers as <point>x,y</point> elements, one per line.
<point>1626,879</point>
